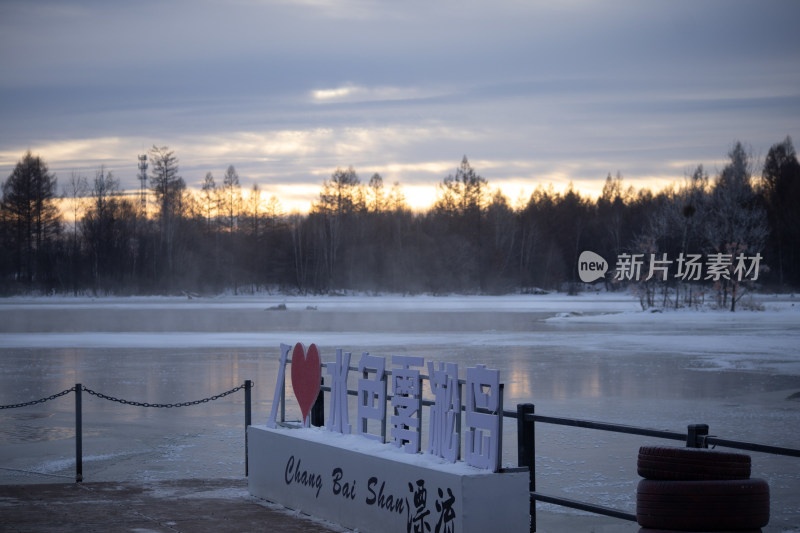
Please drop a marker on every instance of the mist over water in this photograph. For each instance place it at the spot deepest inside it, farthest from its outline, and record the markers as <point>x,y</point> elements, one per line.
<point>625,367</point>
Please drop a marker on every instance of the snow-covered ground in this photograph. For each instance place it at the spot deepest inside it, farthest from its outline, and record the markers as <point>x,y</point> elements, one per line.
<point>594,356</point>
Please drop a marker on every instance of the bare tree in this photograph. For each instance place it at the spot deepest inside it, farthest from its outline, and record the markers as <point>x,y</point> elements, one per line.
<point>499,244</point>
<point>689,210</point>
<point>300,252</point>
<point>99,224</point>
<point>340,200</point>
<point>75,193</point>
<point>611,211</point>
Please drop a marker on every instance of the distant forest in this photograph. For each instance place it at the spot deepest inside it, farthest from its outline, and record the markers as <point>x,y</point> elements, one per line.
<point>362,236</point>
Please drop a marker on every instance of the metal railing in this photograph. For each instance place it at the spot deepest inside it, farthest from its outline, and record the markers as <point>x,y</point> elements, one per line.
<point>78,389</point>
<point>696,436</point>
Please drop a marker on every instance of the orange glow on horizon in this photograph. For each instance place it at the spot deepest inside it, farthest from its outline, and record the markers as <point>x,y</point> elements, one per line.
<point>299,198</point>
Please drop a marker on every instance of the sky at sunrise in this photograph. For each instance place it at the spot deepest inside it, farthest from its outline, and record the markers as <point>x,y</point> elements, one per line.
<point>533,93</point>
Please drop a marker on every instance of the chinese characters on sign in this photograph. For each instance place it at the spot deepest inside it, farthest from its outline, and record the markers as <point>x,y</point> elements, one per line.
<point>482,448</point>
<point>406,402</point>
<point>279,390</point>
<point>688,267</point>
<point>339,420</point>
<point>445,417</point>
<point>371,394</point>
<point>483,406</point>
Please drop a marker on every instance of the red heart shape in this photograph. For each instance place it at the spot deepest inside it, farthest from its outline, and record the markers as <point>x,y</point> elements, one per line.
<point>306,376</point>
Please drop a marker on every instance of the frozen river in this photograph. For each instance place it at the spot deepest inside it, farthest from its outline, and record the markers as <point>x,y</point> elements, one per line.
<point>592,357</point>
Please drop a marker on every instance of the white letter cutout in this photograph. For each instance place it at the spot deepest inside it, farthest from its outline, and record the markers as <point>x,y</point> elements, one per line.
<point>339,419</point>
<point>279,386</point>
<point>406,401</point>
<point>372,395</point>
<point>445,424</point>
<point>484,430</point>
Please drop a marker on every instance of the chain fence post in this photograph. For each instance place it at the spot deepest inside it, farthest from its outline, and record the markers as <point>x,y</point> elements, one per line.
<point>695,434</point>
<point>248,385</point>
<point>78,434</point>
<point>526,452</point>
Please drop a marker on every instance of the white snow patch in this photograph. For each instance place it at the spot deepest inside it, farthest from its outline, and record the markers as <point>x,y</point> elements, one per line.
<point>231,493</point>
<point>589,302</point>
<point>58,465</point>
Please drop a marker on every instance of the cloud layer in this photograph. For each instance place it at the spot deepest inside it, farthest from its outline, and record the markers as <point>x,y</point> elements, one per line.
<point>288,91</point>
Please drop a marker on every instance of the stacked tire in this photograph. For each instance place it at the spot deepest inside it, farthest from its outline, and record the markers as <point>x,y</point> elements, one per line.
<point>700,490</point>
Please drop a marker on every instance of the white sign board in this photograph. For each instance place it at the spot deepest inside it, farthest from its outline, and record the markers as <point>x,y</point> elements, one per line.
<point>374,487</point>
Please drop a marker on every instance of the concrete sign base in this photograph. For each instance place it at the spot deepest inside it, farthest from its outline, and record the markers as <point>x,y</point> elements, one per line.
<point>373,487</point>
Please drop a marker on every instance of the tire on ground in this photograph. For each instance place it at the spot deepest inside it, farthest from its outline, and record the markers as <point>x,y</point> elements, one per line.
<point>691,464</point>
<point>703,505</point>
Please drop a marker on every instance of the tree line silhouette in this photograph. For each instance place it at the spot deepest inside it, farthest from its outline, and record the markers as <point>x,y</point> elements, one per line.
<point>362,236</point>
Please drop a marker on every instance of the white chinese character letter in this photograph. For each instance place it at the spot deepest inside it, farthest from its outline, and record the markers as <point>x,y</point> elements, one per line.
<point>372,395</point>
<point>484,430</point>
<point>279,387</point>
<point>406,401</point>
<point>339,420</point>
<point>445,417</point>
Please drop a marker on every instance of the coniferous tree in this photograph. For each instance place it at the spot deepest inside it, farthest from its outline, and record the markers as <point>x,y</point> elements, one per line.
<point>231,198</point>
<point>377,198</point>
<point>209,200</point>
<point>332,221</point>
<point>168,188</point>
<point>33,221</point>
<point>781,189</point>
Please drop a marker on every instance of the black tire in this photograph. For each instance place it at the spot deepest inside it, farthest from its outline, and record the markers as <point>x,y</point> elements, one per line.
<point>691,464</point>
<point>703,505</point>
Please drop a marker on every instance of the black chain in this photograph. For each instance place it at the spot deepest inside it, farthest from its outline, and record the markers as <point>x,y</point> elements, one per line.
<point>163,405</point>
<point>42,400</point>
<point>126,402</point>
